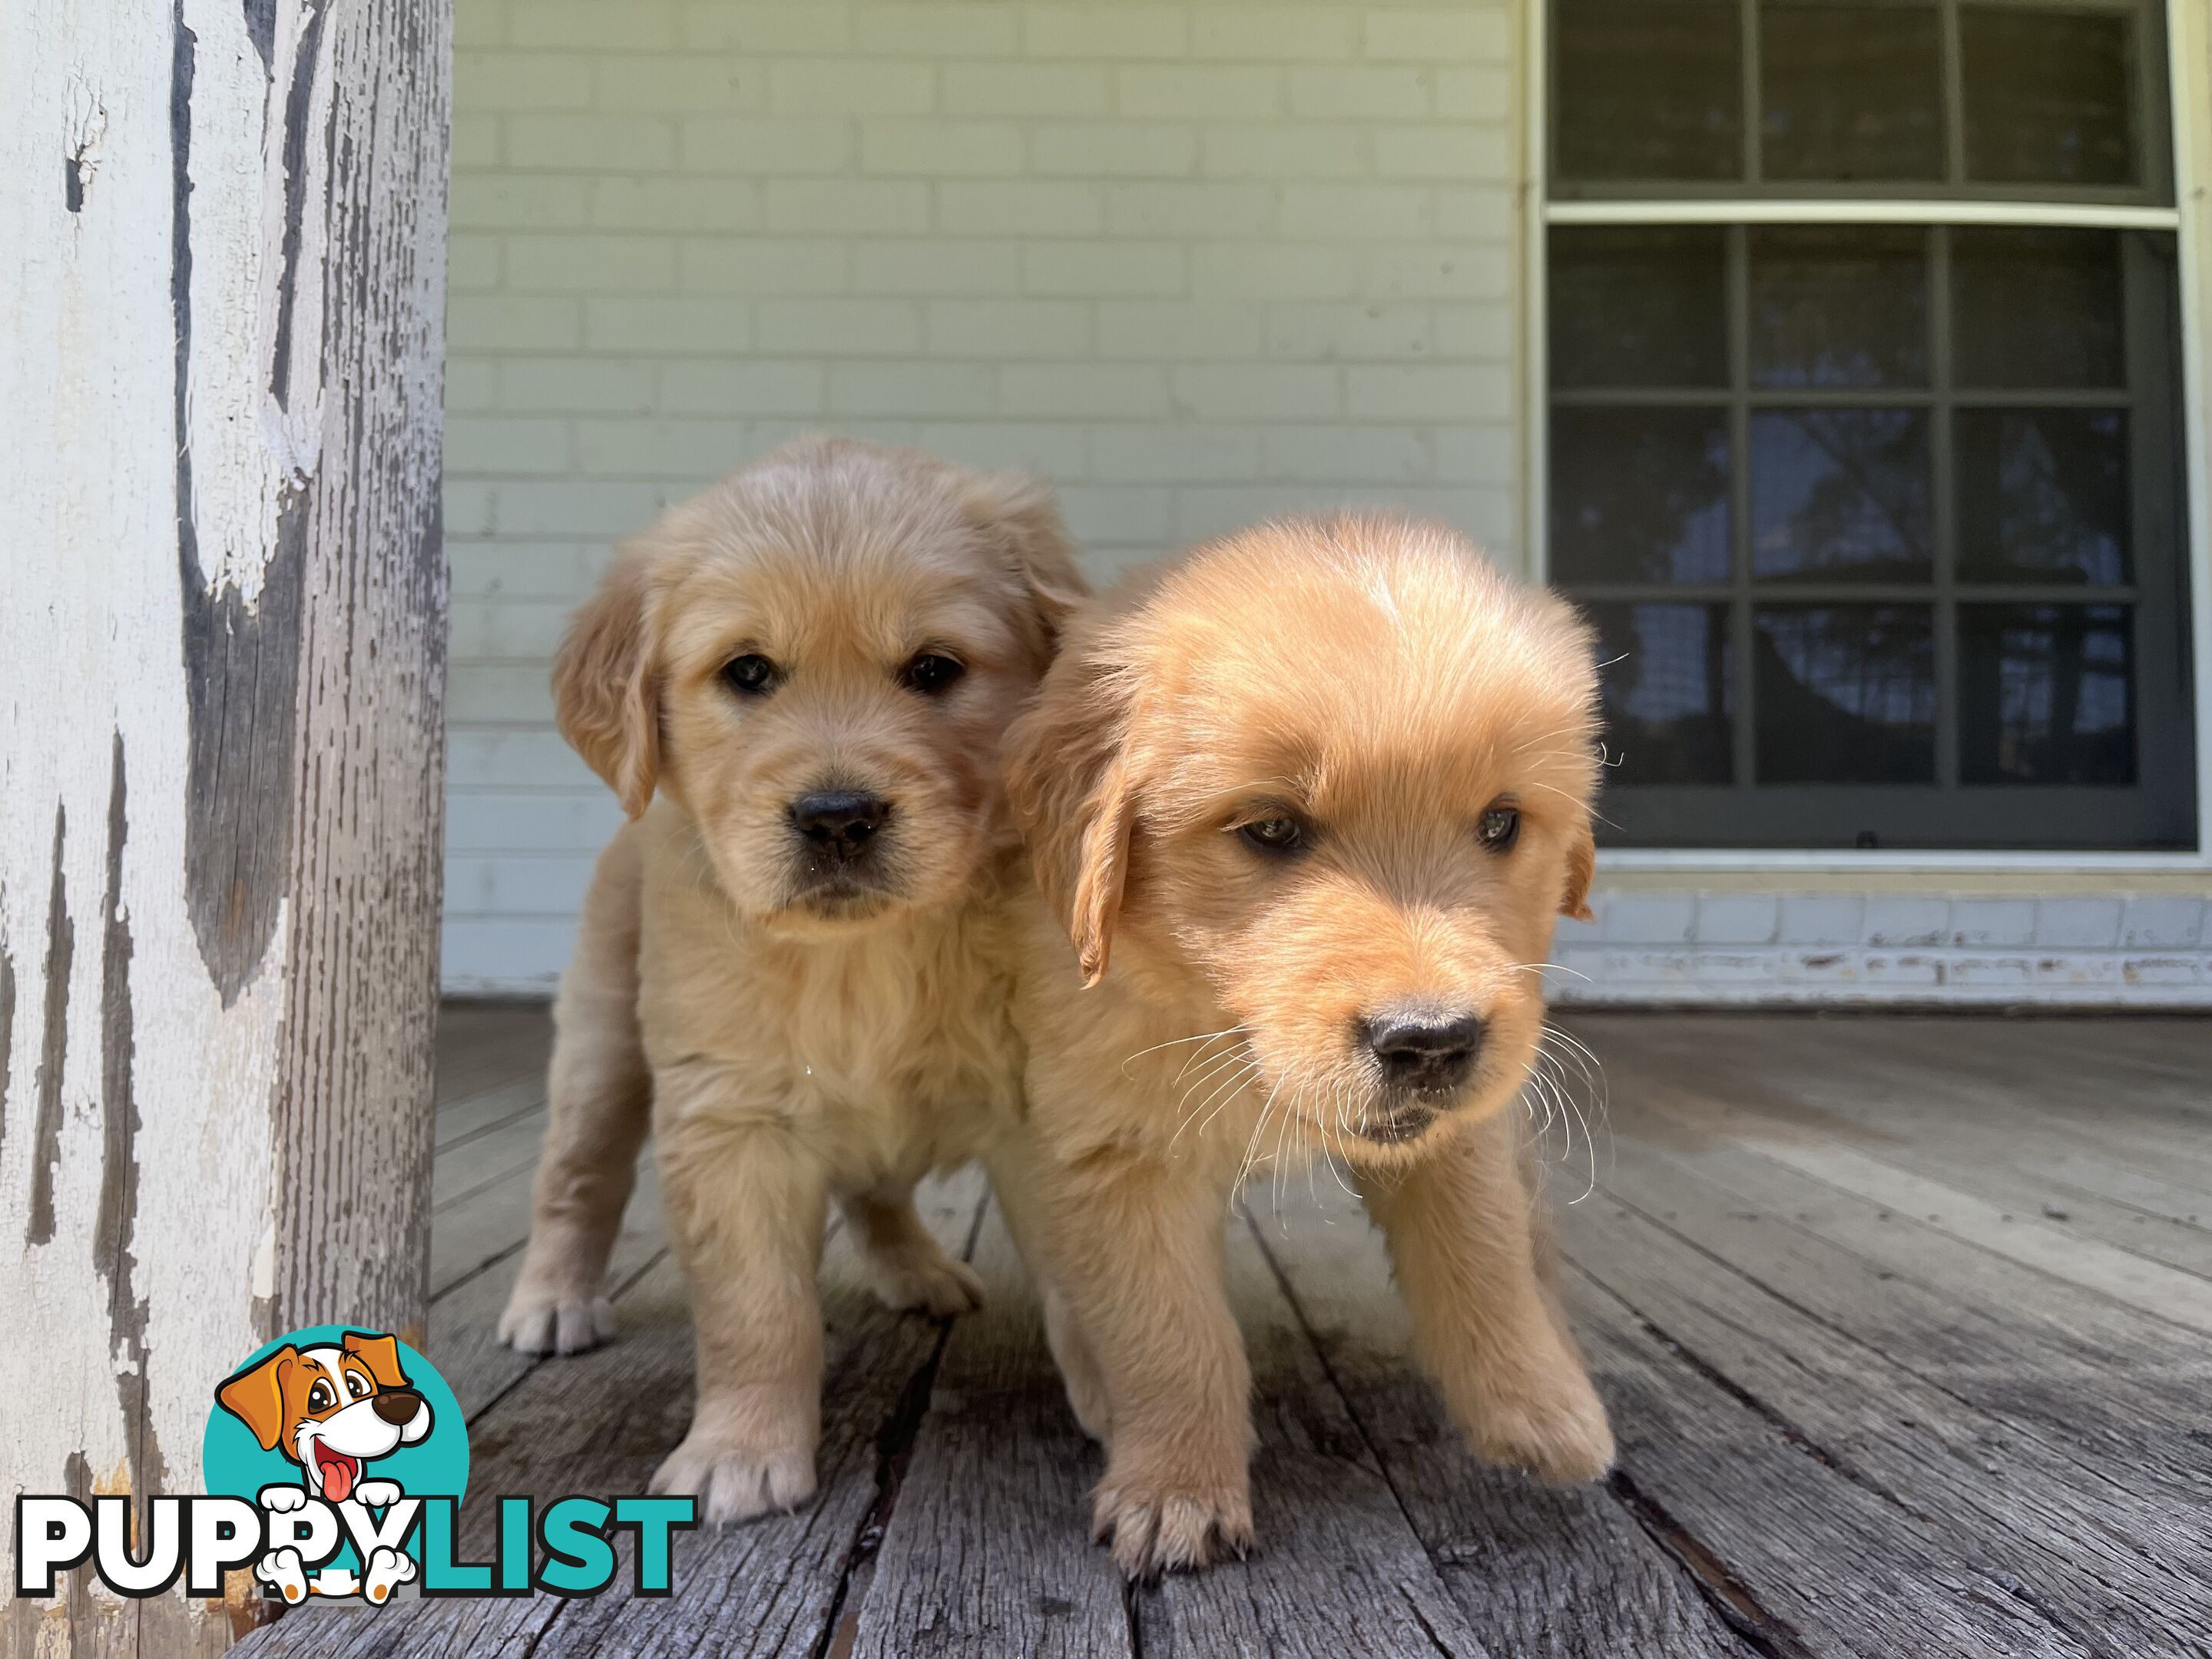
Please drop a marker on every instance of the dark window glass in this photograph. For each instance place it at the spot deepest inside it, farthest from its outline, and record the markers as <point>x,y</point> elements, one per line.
<point>1638,307</point>
<point>1850,93</point>
<point>1845,694</point>
<point>1670,691</point>
<point>2042,494</point>
<point>2037,308</point>
<point>2047,96</point>
<point>1640,495</point>
<point>2045,694</point>
<point>1648,89</point>
<point>1834,307</point>
<point>1840,495</point>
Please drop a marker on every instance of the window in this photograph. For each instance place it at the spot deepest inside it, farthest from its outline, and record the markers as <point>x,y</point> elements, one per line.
<point>1864,421</point>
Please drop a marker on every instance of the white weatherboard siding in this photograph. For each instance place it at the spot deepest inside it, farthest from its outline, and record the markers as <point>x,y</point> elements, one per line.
<point>1193,262</point>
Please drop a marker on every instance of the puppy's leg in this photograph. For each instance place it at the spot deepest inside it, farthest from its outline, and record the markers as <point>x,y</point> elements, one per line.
<point>905,1267</point>
<point>1013,1185</point>
<point>745,1204</point>
<point>600,1097</point>
<point>1463,1241</point>
<point>1134,1246</point>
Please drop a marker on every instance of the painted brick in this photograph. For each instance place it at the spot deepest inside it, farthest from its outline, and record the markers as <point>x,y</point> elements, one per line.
<point>1103,267</point>
<point>1357,212</point>
<point>1007,328</point>
<point>1119,30</point>
<point>1736,919</point>
<point>850,206</point>
<point>1278,271</point>
<point>591,143</point>
<point>1447,271</point>
<point>1286,150</point>
<point>685,85</point>
<point>1190,210</point>
<point>520,202</point>
<point>796,25</point>
<point>1362,93</point>
<point>1351,333</point>
<point>782,145</point>
<point>1895,921</point>
<point>962,269</point>
<point>1650,918</point>
<point>591,263</point>
<point>633,26</point>
<point>668,203</point>
<point>1010,209</point>
<point>923,389</point>
<point>476,142</point>
<point>1199,92</point>
<point>1362,455</point>
<point>1453,151</point>
<point>1821,918</point>
<point>2078,923</point>
<point>1984,924</point>
<point>951,31</point>
<point>1460,35</point>
<point>668,323</point>
<point>513,322</point>
<point>1259,391</point>
<point>745,385</point>
<point>1062,91</point>
<point>593,507</point>
<point>1474,94</point>
<point>697,450</point>
<point>1477,454</point>
<point>1421,393</point>
<point>2165,922</point>
<point>838,327</point>
<point>1178,331</point>
<point>1275,34</point>
<point>943,149</point>
<point>2166,969</point>
<point>1485,333</point>
<point>1113,149</point>
<point>1154,453</point>
<point>575,385</point>
<point>501,81</point>
<point>1086,391</point>
<point>763,265</point>
<point>474,264</point>
<point>851,86</point>
<point>1048,449</point>
<point>1975,970</point>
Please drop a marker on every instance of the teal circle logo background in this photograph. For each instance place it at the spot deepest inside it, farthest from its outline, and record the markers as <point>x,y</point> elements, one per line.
<point>436,1466</point>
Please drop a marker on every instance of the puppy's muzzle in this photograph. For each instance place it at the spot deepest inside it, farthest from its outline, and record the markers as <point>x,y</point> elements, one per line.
<point>839,827</point>
<point>1421,1052</point>
<point>398,1407</point>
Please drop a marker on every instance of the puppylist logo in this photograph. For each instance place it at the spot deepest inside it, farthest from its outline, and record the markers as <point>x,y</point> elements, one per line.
<point>335,1461</point>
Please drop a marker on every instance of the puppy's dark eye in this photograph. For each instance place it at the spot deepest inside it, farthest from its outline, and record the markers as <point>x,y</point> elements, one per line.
<point>1276,835</point>
<point>357,1385</point>
<point>931,672</point>
<point>1499,828</point>
<point>320,1399</point>
<point>749,676</point>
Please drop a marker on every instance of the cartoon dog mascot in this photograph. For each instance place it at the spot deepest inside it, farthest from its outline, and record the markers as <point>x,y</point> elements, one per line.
<point>332,1409</point>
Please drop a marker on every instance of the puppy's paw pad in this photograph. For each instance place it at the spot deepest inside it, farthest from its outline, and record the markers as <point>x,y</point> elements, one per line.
<point>378,1494</point>
<point>933,1283</point>
<point>281,1499</point>
<point>734,1483</point>
<point>1154,1530</point>
<point>538,1323</point>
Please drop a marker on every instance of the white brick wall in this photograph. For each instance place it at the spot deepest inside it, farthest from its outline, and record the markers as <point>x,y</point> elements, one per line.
<point>1194,262</point>
<point>2119,949</point>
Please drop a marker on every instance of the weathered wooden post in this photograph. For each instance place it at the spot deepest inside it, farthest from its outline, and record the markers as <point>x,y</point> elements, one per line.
<point>222,669</point>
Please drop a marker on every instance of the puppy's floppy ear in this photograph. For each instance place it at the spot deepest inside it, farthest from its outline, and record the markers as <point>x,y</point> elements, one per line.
<point>379,1353</point>
<point>256,1395</point>
<point>1070,777</point>
<point>1020,513</point>
<point>1582,870</point>
<point>606,694</point>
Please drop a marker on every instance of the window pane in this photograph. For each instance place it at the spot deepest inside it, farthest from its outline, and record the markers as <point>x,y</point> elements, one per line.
<point>1640,494</point>
<point>1840,495</point>
<point>1850,93</point>
<point>1638,307</point>
<point>1846,693</point>
<point>1670,691</point>
<point>2042,494</point>
<point>1837,307</point>
<point>1648,89</point>
<point>2047,97</point>
<point>2037,308</point>
<point>2045,695</point>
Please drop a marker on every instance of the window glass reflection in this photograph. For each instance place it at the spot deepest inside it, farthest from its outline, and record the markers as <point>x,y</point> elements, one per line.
<point>2047,96</point>
<point>1638,306</point>
<point>1648,89</point>
<point>1640,494</point>
<point>2037,308</point>
<point>1850,93</point>
<point>1840,495</point>
<point>2042,494</point>
<point>1837,307</point>
<point>2045,695</point>
<point>1670,691</point>
<point>1846,693</point>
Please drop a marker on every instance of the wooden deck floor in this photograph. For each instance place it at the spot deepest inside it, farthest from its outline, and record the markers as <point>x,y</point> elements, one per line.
<point>1905,1324</point>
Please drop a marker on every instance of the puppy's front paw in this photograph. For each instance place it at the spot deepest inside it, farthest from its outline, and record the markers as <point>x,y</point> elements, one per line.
<point>734,1481</point>
<point>387,1570</point>
<point>919,1276</point>
<point>284,1572</point>
<point>278,1499</point>
<point>1557,1429</point>
<point>543,1319</point>
<point>1157,1526</point>
<point>377,1494</point>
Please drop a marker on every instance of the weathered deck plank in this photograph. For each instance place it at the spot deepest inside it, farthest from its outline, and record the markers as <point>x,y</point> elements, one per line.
<point>1875,1397</point>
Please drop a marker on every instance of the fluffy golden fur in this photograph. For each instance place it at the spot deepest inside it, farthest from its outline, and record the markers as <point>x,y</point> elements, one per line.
<point>1240,993</point>
<point>804,1014</point>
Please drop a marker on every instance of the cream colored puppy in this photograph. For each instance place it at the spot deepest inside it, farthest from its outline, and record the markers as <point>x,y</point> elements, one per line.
<point>797,960</point>
<point>1308,807</point>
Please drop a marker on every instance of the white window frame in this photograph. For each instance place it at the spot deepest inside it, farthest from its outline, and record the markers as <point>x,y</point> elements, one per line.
<point>2189,68</point>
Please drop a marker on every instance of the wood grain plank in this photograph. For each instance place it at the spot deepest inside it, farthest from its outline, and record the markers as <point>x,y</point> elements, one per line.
<point>483,1160</point>
<point>1564,1572</point>
<point>485,1045</point>
<point>488,1109</point>
<point>987,1548</point>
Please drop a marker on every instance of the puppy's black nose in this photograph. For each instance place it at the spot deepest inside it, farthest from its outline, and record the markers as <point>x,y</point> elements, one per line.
<point>399,1406</point>
<point>1420,1048</point>
<point>839,824</point>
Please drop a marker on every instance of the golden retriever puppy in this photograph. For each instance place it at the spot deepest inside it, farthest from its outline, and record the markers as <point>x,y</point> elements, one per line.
<point>797,960</point>
<point>1308,806</point>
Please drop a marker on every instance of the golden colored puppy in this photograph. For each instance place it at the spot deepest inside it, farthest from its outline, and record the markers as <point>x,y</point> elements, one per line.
<point>1308,806</point>
<point>801,953</point>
